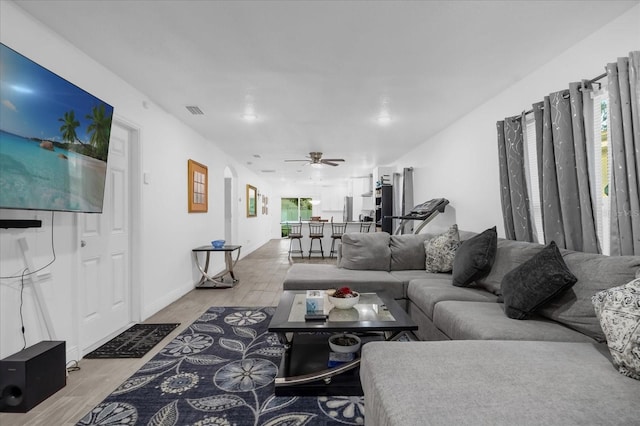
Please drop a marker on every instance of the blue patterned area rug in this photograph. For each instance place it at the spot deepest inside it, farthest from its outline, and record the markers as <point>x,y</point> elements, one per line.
<point>219,371</point>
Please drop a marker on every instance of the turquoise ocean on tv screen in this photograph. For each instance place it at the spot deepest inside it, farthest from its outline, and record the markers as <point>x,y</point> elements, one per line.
<point>32,177</point>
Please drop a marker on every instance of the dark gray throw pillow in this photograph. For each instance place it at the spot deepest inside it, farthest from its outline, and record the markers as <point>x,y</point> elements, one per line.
<point>535,282</point>
<point>474,258</point>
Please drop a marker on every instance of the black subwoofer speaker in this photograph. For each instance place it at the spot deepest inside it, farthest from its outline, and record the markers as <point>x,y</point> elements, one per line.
<point>32,375</point>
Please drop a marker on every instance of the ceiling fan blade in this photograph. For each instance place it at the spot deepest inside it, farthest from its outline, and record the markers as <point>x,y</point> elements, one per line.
<point>329,163</point>
<point>288,161</point>
<point>333,159</point>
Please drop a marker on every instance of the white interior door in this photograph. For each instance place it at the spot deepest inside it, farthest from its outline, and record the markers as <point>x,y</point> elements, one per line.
<point>105,257</point>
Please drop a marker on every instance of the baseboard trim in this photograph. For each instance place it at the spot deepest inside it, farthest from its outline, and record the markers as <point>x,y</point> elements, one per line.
<point>166,300</point>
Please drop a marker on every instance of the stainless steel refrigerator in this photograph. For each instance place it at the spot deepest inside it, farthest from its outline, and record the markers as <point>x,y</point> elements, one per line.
<point>347,210</point>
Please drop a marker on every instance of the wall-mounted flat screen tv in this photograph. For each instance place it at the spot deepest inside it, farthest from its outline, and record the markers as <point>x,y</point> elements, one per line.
<point>54,140</point>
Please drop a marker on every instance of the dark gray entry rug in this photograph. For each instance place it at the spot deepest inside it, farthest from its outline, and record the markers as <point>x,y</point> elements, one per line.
<point>219,371</point>
<point>134,342</point>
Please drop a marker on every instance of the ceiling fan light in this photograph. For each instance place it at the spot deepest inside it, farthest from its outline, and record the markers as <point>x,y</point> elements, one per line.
<point>316,165</point>
<point>249,116</point>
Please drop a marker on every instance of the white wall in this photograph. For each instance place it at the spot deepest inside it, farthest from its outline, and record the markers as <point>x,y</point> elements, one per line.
<point>164,232</point>
<point>461,162</point>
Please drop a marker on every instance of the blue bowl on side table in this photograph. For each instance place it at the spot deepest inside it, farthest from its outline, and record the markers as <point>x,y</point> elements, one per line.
<point>218,243</point>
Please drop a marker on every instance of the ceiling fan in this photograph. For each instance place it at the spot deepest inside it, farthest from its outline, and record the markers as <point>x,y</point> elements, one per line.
<point>315,159</point>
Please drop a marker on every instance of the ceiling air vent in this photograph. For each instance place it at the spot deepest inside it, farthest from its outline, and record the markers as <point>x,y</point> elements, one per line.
<point>194,110</point>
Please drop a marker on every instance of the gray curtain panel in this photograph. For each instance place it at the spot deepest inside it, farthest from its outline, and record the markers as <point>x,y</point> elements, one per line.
<point>562,162</point>
<point>513,186</point>
<point>582,146</point>
<point>407,197</point>
<point>624,142</point>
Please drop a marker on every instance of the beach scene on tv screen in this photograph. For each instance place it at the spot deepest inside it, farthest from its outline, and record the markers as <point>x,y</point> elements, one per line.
<point>54,139</point>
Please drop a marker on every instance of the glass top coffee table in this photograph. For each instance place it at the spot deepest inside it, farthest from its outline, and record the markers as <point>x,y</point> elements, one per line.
<point>304,367</point>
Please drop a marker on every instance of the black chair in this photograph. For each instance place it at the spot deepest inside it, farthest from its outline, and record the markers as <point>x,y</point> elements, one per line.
<point>365,226</point>
<point>337,230</point>
<point>295,233</point>
<point>316,233</point>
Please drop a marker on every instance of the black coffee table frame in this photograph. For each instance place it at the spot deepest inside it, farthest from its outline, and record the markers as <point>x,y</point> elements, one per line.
<point>303,368</point>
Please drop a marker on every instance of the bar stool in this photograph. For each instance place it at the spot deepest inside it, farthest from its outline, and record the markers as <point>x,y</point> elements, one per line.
<point>295,233</point>
<point>365,226</point>
<point>316,232</point>
<point>337,230</point>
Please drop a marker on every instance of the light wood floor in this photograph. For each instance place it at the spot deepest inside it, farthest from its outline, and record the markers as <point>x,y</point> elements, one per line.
<point>260,273</point>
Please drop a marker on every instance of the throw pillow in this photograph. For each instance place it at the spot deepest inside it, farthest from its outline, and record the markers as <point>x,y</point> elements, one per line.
<point>407,251</point>
<point>618,310</point>
<point>535,282</point>
<point>474,258</point>
<point>441,250</point>
<point>365,251</point>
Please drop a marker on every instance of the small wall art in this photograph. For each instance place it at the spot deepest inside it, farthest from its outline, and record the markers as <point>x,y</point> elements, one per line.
<point>197,187</point>
<point>252,199</point>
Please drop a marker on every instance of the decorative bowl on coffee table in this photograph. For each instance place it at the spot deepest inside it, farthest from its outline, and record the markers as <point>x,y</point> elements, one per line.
<point>344,302</point>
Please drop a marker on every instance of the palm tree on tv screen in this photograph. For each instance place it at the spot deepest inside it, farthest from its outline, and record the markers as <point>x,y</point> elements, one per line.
<point>99,130</point>
<point>68,128</point>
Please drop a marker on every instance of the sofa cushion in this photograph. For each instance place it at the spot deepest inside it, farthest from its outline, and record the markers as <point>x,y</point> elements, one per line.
<point>509,255</point>
<point>474,258</point>
<point>441,250</point>
<point>487,321</point>
<point>302,276</point>
<point>494,383</point>
<point>535,282</point>
<point>595,273</point>
<point>425,294</point>
<point>618,310</point>
<point>365,251</point>
<point>407,251</point>
<point>411,274</point>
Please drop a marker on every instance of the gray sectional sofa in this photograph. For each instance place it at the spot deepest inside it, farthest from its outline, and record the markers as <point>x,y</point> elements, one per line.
<point>475,365</point>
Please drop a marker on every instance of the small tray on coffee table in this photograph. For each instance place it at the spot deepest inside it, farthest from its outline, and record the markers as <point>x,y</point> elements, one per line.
<point>303,369</point>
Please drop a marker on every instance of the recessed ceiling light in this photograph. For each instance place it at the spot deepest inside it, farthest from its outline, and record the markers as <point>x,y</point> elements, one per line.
<point>384,119</point>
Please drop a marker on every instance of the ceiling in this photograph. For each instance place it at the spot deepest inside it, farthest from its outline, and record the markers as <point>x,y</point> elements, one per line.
<point>318,73</point>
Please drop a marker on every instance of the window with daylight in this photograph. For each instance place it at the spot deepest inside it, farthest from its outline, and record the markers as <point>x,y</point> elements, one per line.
<point>294,210</point>
<point>531,170</point>
<point>603,166</point>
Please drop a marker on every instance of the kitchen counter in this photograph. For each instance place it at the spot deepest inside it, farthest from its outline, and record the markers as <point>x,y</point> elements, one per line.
<point>326,240</point>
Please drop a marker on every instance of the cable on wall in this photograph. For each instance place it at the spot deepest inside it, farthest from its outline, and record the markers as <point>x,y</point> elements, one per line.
<point>53,250</point>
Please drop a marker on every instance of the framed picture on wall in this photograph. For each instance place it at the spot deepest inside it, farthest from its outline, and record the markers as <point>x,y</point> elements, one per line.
<point>197,187</point>
<point>252,198</point>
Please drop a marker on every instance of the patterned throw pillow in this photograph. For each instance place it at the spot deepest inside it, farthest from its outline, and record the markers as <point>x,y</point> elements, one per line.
<point>441,250</point>
<point>534,283</point>
<point>618,310</point>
